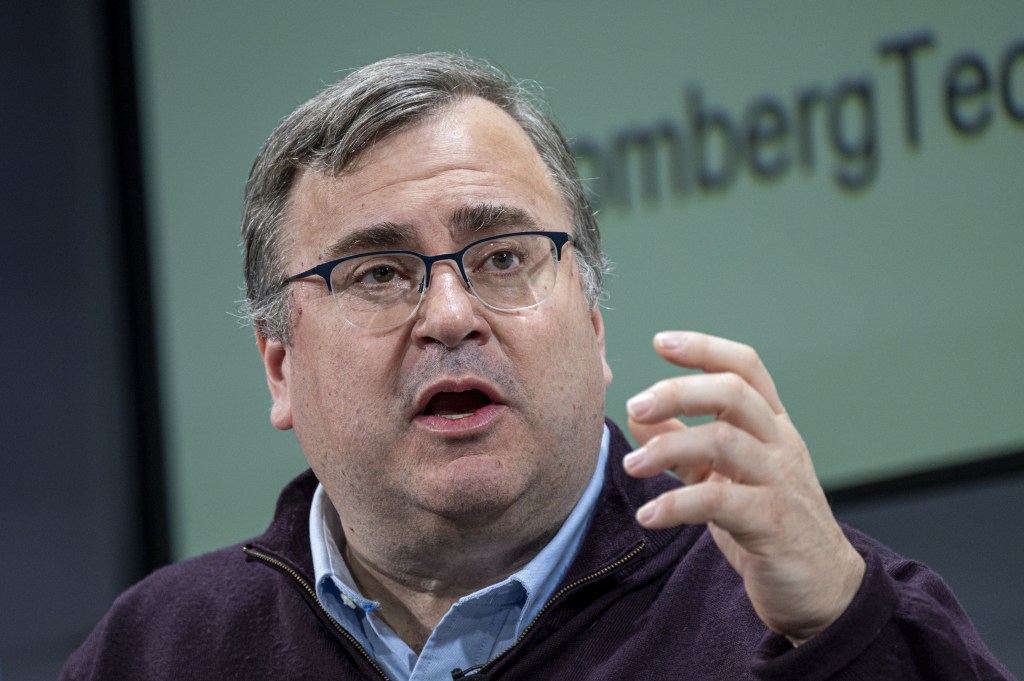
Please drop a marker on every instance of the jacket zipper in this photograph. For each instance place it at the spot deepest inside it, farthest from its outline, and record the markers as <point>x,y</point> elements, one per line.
<point>284,567</point>
<point>561,592</point>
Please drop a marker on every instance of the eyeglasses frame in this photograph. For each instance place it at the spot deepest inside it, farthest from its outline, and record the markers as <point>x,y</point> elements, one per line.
<point>324,270</point>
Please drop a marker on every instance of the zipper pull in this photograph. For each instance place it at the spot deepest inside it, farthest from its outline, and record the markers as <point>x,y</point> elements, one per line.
<point>474,672</point>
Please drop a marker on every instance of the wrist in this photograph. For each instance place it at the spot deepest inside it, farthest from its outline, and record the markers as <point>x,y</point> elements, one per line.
<point>850,576</point>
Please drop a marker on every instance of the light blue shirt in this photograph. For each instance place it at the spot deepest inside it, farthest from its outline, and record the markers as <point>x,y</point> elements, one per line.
<point>477,627</point>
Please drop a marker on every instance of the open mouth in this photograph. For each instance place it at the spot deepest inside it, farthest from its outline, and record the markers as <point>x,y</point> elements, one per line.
<point>456,405</point>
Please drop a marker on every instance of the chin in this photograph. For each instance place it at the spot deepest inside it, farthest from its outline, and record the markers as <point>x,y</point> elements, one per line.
<point>474,490</point>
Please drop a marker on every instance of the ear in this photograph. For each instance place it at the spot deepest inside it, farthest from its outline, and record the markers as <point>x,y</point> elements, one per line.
<point>276,363</point>
<point>598,322</point>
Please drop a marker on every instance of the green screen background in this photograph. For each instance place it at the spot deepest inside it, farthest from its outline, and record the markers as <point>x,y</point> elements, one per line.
<point>890,317</point>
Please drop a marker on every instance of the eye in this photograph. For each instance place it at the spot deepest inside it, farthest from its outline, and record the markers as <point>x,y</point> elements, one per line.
<point>502,257</point>
<point>504,260</point>
<point>382,274</point>
<point>377,274</point>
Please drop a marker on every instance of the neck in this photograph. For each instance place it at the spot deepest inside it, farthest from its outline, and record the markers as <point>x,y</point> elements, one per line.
<point>415,596</point>
<point>417,562</point>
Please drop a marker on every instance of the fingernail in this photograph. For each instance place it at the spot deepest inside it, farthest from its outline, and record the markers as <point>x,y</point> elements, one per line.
<point>636,459</point>
<point>646,512</point>
<point>641,404</point>
<point>669,340</point>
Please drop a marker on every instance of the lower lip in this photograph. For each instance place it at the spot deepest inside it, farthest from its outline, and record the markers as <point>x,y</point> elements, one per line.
<point>475,423</point>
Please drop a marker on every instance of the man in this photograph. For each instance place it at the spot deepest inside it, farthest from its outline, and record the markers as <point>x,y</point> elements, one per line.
<point>423,271</point>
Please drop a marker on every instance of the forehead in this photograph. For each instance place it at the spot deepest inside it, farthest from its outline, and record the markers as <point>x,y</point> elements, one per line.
<point>468,155</point>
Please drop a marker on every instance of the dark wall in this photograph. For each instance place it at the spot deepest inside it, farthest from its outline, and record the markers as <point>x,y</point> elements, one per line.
<point>76,526</point>
<point>966,523</point>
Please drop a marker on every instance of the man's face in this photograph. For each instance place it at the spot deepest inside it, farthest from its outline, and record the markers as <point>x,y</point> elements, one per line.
<point>369,407</point>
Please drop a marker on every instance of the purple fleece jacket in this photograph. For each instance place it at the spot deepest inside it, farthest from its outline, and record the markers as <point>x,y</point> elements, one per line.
<point>635,604</point>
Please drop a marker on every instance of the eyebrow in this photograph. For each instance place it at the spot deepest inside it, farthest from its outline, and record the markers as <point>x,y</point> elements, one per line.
<point>465,221</point>
<point>489,217</point>
<point>382,236</point>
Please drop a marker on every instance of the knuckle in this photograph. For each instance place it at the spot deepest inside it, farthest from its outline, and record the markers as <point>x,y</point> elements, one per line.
<point>733,385</point>
<point>672,394</point>
<point>675,386</point>
<point>664,389</point>
<point>748,358</point>
<point>666,505</point>
<point>713,494</point>
<point>663,385</point>
<point>655,448</point>
<point>776,512</point>
<point>722,435</point>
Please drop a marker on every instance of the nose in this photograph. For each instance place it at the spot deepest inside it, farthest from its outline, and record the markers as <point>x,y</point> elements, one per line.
<point>449,314</point>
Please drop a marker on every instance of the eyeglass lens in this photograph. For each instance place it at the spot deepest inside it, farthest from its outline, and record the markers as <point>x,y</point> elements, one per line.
<point>506,273</point>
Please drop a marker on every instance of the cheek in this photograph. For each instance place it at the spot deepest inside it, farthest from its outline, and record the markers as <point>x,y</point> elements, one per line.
<point>341,405</point>
<point>561,347</point>
<point>343,375</point>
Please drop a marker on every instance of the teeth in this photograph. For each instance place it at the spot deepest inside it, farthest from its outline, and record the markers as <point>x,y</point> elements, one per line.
<point>455,417</point>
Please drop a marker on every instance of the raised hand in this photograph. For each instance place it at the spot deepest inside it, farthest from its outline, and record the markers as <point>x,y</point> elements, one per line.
<point>749,476</point>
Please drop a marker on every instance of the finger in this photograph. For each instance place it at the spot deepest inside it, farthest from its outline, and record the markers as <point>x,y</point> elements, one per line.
<point>734,507</point>
<point>715,355</point>
<point>726,396</point>
<point>694,454</point>
<point>643,432</point>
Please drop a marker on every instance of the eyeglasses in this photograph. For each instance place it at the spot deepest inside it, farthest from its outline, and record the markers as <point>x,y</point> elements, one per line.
<point>383,289</point>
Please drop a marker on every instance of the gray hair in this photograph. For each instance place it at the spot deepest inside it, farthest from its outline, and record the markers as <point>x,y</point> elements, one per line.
<point>329,131</point>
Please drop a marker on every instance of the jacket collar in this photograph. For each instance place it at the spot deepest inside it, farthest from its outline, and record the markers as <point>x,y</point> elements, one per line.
<point>614,531</point>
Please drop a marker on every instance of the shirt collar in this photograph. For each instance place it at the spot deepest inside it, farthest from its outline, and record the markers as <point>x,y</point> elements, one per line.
<point>328,563</point>
<point>542,575</point>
